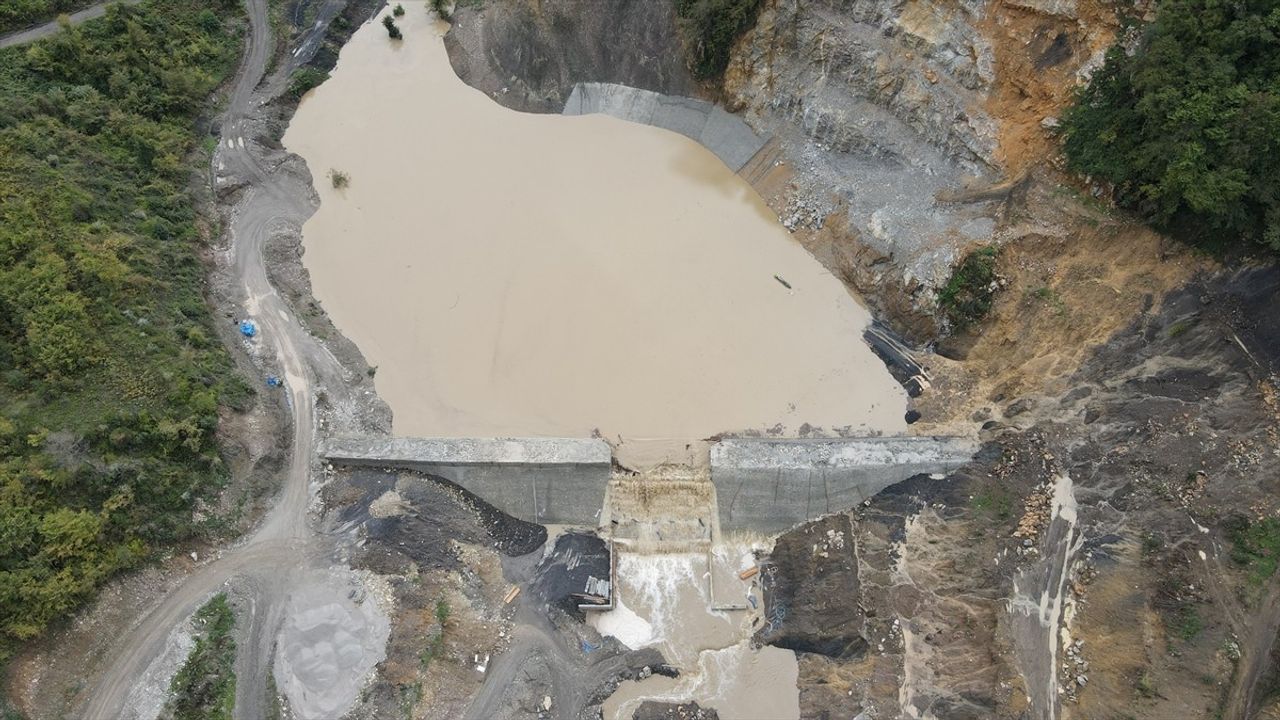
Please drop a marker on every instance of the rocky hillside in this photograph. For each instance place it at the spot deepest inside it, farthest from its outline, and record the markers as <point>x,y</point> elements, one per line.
<point>898,128</point>
<point>527,54</point>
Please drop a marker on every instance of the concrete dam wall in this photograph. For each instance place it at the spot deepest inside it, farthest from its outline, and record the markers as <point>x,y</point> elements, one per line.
<point>721,132</point>
<point>542,480</point>
<point>771,485</point>
<point>762,485</point>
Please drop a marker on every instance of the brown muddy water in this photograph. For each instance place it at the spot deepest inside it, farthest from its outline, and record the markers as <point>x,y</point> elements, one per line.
<point>513,274</point>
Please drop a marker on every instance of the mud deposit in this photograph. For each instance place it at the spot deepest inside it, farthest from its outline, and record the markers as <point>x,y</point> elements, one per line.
<point>515,274</point>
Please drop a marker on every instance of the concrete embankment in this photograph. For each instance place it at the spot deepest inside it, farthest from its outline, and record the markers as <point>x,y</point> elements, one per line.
<point>721,132</point>
<point>762,485</point>
<point>770,485</point>
<point>542,480</point>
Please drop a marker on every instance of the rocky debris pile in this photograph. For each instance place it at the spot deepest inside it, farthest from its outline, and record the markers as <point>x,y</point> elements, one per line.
<point>652,710</point>
<point>804,212</point>
<point>1075,671</point>
<point>1037,513</point>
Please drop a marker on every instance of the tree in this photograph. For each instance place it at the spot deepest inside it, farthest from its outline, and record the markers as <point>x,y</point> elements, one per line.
<point>390,24</point>
<point>1186,126</point>
<point>710,28</point>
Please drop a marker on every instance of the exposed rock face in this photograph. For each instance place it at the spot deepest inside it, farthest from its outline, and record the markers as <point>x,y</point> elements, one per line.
<point>876,108</point>
<point>900,82</point>
<point>1169,437</point>
<point>879,108</point>
<point>528,54</point>
<point>810,588</point>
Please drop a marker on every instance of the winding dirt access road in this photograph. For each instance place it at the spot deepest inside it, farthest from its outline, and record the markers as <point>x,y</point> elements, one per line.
<point>22,37</point>
<point>271,200</point>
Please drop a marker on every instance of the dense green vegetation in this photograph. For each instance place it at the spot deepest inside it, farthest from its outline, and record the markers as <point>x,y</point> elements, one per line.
<point>967,297</point>
<point>304,80</point>
<point>18,14</point>
<point>1256,547</point>
<point>110,373</point>
<point>205,687</point>
<point>1187,128</point>
<point>710,28</point>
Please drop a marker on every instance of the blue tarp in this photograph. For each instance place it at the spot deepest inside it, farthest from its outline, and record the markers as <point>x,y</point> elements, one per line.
<point>273,381</point>
<point>248,329</point>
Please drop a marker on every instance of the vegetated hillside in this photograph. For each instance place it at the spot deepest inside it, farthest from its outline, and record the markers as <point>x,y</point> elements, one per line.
<point>18,14</point>
<point>111,373</point>
<point>1187,125</point>
<point>710,28</point>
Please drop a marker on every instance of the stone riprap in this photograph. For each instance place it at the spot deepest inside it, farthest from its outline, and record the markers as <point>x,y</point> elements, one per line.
<point>770,485</point>
<point>725,134</point>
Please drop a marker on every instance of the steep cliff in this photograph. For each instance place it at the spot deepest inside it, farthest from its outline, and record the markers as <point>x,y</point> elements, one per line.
<point>528,54</point>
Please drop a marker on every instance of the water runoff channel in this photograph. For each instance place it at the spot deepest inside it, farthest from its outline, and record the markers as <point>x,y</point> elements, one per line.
<point>522,275</point>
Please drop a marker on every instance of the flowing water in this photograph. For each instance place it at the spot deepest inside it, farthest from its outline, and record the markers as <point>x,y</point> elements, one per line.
<point>513,274</point>
<point>664,601</point>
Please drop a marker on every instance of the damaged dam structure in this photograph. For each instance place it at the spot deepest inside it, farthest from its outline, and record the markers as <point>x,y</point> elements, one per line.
<point>762,485</point>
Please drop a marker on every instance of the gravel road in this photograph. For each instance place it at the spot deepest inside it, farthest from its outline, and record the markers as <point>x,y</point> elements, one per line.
<point>22,37</point>
<point>271,200</point>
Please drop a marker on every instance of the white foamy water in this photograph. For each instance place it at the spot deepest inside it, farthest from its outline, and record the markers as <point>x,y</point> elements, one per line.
<point>665,602</point>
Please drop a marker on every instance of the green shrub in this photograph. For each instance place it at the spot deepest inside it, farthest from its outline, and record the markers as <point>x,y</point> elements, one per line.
<point>111,386</point>
<point>18,14</point>
<point>1187,127</point>
<point>968,295</point>
<point>710,28</point>
<point>1189,623</point>
<point>339,179</point>
<point>390,24</point>
<point>304,80</point>
<point>398,11</point>
<point>205,687</point>
<point>1255,545</point>
<point>441,8</point>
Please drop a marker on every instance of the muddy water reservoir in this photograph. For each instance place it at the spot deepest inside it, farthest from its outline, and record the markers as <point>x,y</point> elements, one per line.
<point>513,274</point>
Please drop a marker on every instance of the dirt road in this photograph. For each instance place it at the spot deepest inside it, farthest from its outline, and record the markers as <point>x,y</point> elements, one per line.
<point>22,37</point>
<point>283,543</point>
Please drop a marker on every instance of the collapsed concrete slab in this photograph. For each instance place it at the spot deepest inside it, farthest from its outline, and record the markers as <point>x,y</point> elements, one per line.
<point>541,480</point>
<point>769,485</point>
<point>721,132</point>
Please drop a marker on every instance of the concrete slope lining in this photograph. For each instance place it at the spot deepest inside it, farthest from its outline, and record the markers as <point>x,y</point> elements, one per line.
<point>723,133</point>
<point>541,480</point>
<point>768,485</point>
<point>467,451</point>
